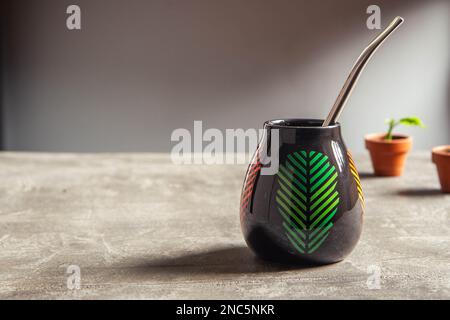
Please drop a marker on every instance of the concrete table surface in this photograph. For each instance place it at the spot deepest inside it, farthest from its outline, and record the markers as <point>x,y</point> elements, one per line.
<point>138,226</point>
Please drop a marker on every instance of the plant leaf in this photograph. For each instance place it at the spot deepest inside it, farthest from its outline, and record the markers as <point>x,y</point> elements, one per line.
<point>307,199</point>
<point>412,121</point>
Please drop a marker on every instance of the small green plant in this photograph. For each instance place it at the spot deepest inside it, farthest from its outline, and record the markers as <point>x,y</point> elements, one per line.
<point>409,121</point>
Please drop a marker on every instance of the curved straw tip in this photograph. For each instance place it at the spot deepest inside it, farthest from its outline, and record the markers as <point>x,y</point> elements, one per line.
<point>400,19</point>
<point>397,22</point>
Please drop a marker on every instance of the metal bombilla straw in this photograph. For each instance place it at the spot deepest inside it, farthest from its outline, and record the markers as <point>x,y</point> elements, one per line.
<point>358,67</point>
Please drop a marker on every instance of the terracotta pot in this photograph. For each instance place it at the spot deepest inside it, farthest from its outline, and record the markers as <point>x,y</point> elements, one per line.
<point>441,157</point>
<point>388,156</point>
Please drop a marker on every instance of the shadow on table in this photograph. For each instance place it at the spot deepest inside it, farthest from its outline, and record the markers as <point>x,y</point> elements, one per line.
<point>228,260</point>
<point>420,192</point>
<point>366,175</point>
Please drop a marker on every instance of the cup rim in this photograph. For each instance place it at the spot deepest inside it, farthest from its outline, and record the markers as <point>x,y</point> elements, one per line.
<point>296,123</point>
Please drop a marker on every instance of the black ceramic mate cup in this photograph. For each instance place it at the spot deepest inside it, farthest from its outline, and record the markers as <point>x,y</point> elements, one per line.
<point>302,200</point>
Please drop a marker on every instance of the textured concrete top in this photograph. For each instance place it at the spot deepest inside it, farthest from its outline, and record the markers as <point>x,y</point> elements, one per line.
<point>138,226</point>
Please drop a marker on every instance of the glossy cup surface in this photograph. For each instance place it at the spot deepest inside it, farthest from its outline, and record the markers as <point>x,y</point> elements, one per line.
<point>311,209</point>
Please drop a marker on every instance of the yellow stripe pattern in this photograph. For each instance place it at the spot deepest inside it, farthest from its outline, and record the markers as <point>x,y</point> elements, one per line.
<point>355,174</point>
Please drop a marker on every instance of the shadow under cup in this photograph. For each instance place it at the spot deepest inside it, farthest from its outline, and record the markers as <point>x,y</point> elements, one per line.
<point>302,200</point>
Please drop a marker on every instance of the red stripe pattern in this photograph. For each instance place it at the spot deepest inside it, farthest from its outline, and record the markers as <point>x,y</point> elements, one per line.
<point>249,184</point>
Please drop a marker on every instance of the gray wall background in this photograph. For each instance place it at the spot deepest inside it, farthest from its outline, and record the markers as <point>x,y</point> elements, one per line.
<point>139,69</point>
